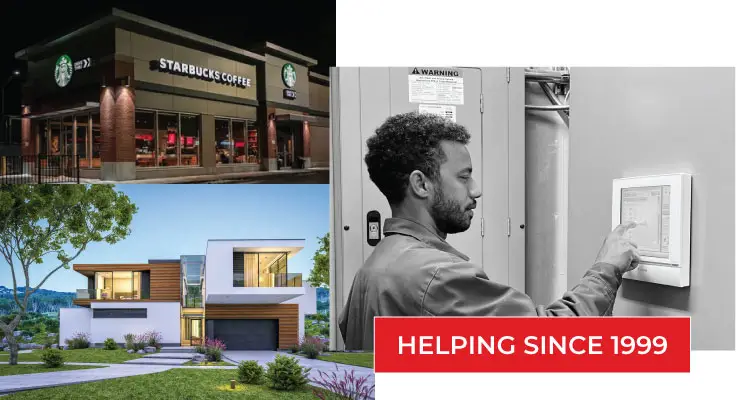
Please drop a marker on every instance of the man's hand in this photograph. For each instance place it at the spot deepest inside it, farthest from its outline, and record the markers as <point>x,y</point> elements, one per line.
<point>619,250</point>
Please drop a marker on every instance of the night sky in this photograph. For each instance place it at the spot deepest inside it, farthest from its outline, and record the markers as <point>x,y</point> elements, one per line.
<point>307,27</point>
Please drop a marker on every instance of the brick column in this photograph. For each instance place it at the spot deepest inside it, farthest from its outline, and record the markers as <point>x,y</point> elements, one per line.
<point>306,144</point>
<point>269,162</point>
<point>28,142</point>
<point>117,119</point>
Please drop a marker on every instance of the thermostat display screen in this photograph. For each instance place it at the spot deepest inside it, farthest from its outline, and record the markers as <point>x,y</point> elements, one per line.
<point>649,208</point>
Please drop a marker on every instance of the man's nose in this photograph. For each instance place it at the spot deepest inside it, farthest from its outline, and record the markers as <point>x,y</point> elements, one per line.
<point>475,191</point>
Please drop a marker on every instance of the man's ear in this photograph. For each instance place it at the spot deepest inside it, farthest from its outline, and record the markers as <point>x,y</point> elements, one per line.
<point>419,185</point>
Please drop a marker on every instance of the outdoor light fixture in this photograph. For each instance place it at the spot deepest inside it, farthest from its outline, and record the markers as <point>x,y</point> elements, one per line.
<point>232,382</point>
<point>16,72</point>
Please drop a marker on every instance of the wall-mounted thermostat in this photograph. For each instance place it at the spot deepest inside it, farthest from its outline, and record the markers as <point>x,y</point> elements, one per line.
<point>661,206</point>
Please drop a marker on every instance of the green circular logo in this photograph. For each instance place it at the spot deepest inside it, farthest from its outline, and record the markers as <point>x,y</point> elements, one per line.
<point>63,70</point>
<point>288,75</point>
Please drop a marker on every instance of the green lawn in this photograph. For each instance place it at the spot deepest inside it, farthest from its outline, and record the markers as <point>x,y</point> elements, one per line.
<point>80,355</point>
<point>178,383</point>
<point>358,359</point>
<point>210,364</point>
<point>20,369</point>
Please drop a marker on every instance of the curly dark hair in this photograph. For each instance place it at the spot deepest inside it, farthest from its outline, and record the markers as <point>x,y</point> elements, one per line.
<point>405,143</point>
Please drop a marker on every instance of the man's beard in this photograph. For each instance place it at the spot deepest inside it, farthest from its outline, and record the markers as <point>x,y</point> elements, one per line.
<point>449,216</point>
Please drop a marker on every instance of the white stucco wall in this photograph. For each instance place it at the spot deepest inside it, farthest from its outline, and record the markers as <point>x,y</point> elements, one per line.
<point>163,317</point>
<point>72,321</point>
<point>307,305</point>
<point>219,289</point>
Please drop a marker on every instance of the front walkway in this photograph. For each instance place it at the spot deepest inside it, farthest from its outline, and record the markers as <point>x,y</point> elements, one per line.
<point>17,383</point>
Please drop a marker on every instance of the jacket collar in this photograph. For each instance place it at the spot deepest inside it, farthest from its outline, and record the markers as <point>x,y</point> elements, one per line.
<point>403,226</point>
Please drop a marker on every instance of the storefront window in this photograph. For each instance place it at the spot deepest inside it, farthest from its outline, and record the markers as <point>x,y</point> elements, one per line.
<point>55,145</point>
<point>42,133</point>
<point>253,155</point>
<point>96,136</point>
<point>223,142</point>
<point>68,140</point>
<point>238,141</point>
<point>189,140</point>
<point>167,139</point>
<point>82,139</point>
<point>145,139</point>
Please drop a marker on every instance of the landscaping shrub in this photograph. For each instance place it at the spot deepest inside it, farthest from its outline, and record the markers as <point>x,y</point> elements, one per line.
<point>153,339</point>
<point>140,342</point>
<point>129,340</point>
<point>52,358</point>
<point>250,372</point>
<point>312,347</point>
<point>347,387</point>
<point>110,344</point>
<point>285,373</point>
<point>200,349</point>
<point>79,341</point>
<point>294,348</point>
<point>214,349</point>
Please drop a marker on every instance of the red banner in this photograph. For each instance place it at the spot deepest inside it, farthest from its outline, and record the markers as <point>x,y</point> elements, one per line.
<point>532,344</point>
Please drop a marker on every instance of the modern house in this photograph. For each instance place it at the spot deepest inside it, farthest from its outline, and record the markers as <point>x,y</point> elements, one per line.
<point>239,292</point>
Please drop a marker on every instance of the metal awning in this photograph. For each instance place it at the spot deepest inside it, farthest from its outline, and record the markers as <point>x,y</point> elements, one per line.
<point>89,105</point>
<point>311,119</point>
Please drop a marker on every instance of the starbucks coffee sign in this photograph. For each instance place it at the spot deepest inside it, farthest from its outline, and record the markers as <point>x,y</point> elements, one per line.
<point>198,72</point>
<point>64,68</point>
<point>288,75</point>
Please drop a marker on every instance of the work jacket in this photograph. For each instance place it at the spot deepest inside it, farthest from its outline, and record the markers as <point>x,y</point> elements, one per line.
<point>415,272</point>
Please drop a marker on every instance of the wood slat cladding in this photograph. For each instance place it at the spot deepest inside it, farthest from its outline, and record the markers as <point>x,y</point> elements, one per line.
<point>287,314</point>
<point>164,279</point>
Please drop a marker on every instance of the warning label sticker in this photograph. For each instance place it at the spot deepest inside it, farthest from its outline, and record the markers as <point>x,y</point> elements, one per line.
<point>448,112</point>
<point>436,85</point>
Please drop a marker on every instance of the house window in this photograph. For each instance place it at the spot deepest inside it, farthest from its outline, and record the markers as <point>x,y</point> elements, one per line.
<point>120,313</point>
<point>260,270</point>
<point>120,285</point>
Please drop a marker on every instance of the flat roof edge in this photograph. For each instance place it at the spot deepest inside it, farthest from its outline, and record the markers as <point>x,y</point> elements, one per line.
<point>275,49</point>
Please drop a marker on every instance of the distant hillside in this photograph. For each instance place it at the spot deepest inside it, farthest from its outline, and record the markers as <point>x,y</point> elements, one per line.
<point>41,301</point>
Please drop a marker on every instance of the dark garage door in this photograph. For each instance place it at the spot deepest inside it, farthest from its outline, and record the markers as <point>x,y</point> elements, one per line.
<point>245,334</point>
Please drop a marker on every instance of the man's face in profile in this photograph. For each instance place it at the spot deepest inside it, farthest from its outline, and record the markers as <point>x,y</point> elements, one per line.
<point>456,191</point>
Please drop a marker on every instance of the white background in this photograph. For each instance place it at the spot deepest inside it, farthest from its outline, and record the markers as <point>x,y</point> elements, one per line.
<point>569,33</point>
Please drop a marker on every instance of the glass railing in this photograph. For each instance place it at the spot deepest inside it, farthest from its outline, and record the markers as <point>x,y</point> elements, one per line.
<point>108,295</point>
<point>281,280</point>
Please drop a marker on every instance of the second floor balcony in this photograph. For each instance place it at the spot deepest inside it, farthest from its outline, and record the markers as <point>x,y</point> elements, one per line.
<point>103,294</point>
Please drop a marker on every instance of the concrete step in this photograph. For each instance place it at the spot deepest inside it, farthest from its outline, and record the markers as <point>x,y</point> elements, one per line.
<point>177,356</point>
<point>183,349</point>
<point>157,361</point>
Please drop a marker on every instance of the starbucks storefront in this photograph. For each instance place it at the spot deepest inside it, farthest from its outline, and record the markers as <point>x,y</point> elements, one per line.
<point>130,98</point>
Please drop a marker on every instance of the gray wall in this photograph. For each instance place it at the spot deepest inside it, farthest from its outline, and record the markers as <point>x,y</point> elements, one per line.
<point>644,121</point>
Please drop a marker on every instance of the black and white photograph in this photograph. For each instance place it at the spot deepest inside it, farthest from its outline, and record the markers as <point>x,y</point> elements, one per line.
<point>549,191</point>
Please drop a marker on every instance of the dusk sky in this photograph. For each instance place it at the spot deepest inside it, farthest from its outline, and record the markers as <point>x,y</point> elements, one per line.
<point>174,220</point>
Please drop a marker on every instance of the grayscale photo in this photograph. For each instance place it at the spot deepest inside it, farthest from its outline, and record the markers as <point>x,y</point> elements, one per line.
<point>532,191</point>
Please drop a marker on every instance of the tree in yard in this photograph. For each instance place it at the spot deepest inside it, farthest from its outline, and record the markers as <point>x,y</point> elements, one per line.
<point>41,220</point>
<point>321,264</point>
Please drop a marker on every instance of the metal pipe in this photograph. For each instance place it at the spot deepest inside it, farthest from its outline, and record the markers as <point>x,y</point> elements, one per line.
<point>564,113</point>
<point>547,108</point>
<point>546,76</point>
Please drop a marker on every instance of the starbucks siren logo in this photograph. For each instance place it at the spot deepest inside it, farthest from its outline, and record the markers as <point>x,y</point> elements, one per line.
<point>289,75</point>
<point>63,70</point>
